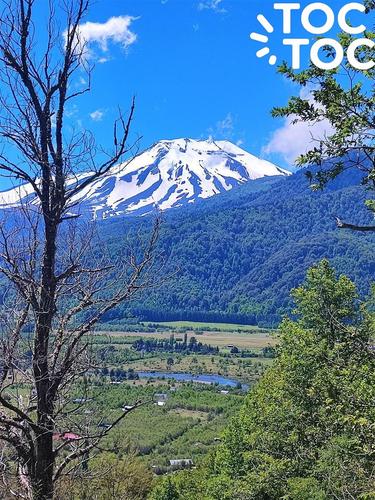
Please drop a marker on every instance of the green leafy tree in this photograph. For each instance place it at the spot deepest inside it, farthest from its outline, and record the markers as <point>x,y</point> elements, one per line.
<point>166,490</point>
<point>307,429</point>
<point>108,478</point>
<point>344,97</point>
<point>170,363</point>
<point>305,489</point>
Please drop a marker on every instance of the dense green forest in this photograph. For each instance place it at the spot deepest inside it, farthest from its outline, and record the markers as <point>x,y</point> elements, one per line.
<point>236,256</point>
<point>306,430</point>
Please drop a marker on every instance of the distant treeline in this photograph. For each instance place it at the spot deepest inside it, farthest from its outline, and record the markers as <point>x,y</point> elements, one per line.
<point>174,345</point>
<point>117,374</point>
<point>265,352</point>
<point>155,316</point>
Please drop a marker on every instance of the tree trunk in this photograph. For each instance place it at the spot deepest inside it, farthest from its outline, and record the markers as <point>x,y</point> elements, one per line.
<point>42,482</point>
<point>43,473</point>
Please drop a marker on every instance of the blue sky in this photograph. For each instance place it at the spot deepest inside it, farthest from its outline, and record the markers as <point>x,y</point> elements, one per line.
<point>194,72</point>
<point>193,69</point>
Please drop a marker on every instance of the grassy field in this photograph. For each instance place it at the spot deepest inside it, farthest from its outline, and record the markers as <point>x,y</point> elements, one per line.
<point>253,340</point>
<point>194,325</point>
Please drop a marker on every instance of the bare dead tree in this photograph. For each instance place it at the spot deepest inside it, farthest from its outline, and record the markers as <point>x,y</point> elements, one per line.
<point>57,281</point>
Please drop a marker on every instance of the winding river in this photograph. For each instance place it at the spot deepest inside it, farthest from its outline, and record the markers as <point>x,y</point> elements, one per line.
<point>189,377</point>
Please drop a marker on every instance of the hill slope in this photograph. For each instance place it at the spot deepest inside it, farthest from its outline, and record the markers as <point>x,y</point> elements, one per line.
<point>239,254</point>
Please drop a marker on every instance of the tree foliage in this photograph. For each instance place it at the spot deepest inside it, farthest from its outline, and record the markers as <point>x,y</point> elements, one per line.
<point>108,477</point>
<point>307,429</point>
<point>344,98</point>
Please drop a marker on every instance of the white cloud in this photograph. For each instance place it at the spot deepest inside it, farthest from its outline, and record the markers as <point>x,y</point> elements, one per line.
<point>293,139</point>
<point>225,129</point>
<point>103,60</point>
<point>97,115</point>
<point>214,5</point>
<point>115,30</point>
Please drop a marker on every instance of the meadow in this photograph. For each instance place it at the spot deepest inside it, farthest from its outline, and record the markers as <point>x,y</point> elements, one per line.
<point>254,338</point>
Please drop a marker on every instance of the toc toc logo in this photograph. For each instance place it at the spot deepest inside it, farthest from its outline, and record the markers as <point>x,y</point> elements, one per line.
<point>297,43</point>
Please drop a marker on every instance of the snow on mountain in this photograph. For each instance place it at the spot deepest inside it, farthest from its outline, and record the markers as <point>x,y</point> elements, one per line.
<point>169,174</point>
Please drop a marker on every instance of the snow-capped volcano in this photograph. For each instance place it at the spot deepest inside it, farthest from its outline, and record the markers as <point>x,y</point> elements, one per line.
<point>169,174</point>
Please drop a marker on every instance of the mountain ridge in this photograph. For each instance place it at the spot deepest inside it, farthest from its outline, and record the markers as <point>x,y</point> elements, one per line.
<point>169,174</point>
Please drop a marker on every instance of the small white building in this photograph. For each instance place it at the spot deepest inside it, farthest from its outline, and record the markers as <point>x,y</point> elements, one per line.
<point>160,399</point>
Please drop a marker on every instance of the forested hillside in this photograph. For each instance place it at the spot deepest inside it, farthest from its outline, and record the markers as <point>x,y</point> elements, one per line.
<point>237,255</point>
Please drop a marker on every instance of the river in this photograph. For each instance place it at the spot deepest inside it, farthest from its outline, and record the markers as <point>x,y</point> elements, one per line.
<point>189,377</point>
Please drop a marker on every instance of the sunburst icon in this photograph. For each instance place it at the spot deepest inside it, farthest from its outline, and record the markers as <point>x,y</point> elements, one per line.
<point>258,37</point>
